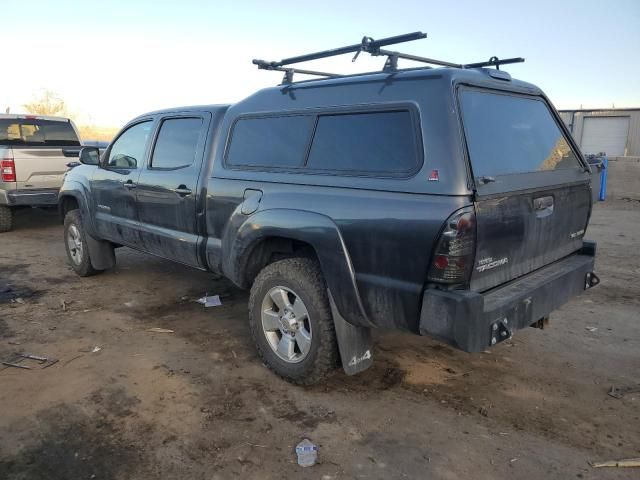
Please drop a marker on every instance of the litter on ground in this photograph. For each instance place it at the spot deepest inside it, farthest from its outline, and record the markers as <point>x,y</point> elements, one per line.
<point>159,330</point>
<point>619,392</point>
<point>210,301</point>
<point>625,463</point>
<point>307,453</point>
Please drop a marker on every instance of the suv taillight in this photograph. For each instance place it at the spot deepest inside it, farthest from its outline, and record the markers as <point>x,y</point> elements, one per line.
<point>454,255</point>
<point>7,170</point>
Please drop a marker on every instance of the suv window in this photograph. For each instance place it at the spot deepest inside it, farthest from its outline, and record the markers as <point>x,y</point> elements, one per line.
<point>128,150</point>
<point>270,141</point>
<point>508,134</point>
<point>37,132</point>
<point>376,142</point>
<point>176,143</point>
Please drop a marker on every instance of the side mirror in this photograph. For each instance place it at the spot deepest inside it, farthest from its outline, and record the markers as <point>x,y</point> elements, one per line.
<point>90,156</point>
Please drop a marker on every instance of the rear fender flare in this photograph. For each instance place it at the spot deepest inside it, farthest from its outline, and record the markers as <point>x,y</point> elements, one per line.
<point>315,229</point>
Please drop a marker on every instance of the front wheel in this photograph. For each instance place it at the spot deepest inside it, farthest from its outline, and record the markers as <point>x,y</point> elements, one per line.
<point>75,242</point>
<point>291,323</point>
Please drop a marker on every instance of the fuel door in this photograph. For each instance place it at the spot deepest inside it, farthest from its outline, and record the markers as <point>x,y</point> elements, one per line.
<point>250,201</point>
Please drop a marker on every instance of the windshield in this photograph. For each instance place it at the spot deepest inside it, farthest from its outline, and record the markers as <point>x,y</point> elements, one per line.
<point>507,134</point>
<point>37,132</point>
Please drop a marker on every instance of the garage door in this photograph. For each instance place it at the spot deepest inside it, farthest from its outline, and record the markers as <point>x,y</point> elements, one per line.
<point>605,134</point>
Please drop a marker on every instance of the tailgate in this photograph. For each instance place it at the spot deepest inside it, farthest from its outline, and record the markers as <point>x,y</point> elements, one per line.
<point>522,232</point>
<point>42,147</point>
<point>533,198</point>
<point>42,167</point>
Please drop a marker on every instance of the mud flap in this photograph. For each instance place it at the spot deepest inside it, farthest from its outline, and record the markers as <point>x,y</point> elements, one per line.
<point>354,343</point>
<point>101,253</point>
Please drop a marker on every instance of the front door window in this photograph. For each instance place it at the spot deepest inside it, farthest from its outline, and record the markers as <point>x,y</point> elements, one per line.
<point>128,150</point>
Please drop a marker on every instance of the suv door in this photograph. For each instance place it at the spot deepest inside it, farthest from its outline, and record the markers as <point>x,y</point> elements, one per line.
<point>113,185</point>
<point>167,193</point>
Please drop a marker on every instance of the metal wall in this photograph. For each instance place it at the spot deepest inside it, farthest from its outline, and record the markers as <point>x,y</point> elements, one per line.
<point>575,121</point>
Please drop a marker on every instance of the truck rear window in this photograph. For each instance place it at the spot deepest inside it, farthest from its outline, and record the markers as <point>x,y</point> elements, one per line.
<point>508,134</point>
<point>37,132</point>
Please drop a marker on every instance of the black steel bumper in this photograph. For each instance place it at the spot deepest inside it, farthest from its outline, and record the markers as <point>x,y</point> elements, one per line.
<point>34,197</point>
<point>474,321</point>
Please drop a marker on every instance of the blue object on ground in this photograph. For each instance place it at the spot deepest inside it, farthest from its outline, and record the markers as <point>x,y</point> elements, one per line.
<point>603,178</point>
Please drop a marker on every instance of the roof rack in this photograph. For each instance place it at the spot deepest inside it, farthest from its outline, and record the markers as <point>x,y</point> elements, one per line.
<point>373,47</point>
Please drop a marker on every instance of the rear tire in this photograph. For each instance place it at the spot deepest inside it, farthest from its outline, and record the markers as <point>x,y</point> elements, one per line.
<point>297,339</point>
<point>75,243</point>
<point>6,218</point>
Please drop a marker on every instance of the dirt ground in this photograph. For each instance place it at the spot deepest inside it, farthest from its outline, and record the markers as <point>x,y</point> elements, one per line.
<point>198,404</point>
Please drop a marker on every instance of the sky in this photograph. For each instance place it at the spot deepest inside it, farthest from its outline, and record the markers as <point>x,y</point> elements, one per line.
<point>113,60</point>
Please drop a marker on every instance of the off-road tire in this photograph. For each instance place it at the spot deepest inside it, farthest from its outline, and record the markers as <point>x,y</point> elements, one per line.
<point>84,267</point>
<point>304,277</point>
<point>6,218</point>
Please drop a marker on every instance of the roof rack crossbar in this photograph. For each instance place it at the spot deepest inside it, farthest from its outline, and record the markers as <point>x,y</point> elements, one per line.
<point>416,58</point>
<point>288,75</point>
<point>494,62</point>
<point>368,44</point>
<point>373,47</point>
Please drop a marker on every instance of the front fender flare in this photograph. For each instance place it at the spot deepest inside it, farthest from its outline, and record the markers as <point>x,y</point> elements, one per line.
<point>77,191</point>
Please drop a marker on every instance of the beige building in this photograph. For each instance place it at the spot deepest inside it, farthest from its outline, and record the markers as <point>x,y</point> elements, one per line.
<point>615,132</point>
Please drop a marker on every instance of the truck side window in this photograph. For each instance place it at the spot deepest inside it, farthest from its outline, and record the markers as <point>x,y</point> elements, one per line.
<point>128,150</point>
<point>177,142</point>
<point>376,142</point>
<point>270,141</point>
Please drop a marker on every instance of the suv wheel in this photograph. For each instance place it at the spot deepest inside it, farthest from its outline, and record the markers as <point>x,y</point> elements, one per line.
<point>75,242</point>
<point>6,218</point>
<point>291,323</point>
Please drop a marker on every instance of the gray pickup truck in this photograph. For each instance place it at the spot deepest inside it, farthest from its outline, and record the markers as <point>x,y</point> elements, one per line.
<point>450,202</point>
<point>34,153</point>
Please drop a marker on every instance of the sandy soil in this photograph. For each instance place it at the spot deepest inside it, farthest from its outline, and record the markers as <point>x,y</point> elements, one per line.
<point>198,403</point>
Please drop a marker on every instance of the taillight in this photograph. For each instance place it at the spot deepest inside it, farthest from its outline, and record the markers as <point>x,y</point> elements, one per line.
<point>7,170</point>
<point>453,257</point>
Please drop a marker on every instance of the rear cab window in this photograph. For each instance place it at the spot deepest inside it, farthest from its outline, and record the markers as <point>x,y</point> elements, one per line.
<point>37,132</point>
<point>510,134</point>
<point>368,143</point>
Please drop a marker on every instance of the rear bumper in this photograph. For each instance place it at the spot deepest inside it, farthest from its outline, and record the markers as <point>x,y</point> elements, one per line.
<point>44,196</point>
<point>470,321</point>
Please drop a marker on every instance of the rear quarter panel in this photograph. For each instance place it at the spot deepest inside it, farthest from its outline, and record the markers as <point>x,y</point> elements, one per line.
<point>388,236</point>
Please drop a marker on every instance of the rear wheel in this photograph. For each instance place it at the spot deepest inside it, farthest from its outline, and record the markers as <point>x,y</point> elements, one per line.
<point>6,218</point>
<point>291,323</point>
<point>75,242</point>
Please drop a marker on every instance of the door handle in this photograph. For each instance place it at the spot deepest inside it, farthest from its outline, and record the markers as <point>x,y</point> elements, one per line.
<point>182,190</point>
<point>129,184</point>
